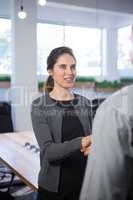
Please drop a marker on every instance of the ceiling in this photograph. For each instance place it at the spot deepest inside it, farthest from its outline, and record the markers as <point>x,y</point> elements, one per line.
<point>83,16</point>
<point>124,6</point>
<point>94,13</point>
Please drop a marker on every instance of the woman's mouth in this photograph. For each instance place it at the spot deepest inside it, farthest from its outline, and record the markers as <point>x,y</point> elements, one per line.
<point>69,80</point>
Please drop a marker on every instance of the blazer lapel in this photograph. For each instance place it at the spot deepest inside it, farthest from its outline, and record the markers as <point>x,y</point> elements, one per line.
<point>54,119</point>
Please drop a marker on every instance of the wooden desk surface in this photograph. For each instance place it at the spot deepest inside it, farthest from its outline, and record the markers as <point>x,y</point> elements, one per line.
<point>22,160</point>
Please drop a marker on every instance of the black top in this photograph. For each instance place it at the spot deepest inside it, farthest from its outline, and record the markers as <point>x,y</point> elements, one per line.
<point>72,167</point>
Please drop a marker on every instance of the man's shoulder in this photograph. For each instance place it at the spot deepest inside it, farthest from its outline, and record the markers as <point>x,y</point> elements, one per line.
<point>119,101</point>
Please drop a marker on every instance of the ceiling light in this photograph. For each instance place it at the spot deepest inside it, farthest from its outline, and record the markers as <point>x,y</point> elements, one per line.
<point>22,14</point>
<point>42,2</point>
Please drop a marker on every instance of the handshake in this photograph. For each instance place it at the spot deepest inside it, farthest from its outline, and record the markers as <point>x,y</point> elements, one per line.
<point>86,143</point>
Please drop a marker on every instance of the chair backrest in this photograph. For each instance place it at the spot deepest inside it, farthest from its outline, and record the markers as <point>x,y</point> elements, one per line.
<point>95,103</point>
<point>6,124</point>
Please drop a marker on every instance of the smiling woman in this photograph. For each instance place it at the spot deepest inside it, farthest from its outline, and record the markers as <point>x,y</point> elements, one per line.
<point>62,126</point>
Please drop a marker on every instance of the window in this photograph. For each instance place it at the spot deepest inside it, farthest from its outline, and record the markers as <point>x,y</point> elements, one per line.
<point>85,42</point>
<point>48,37</point>
<point>123,61</point>
<point>5,46</point>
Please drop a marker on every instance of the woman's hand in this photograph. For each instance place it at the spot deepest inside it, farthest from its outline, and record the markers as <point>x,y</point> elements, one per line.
<point>86,142</point>
<point>86,151</point>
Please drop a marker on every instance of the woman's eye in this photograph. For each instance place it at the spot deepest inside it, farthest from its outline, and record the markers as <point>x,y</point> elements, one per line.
<point>73,66</point>
<point>62,66</point>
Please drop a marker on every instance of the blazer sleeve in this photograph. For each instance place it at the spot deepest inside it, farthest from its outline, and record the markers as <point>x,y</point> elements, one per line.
<point>106,174</point>
<point>51,150</point>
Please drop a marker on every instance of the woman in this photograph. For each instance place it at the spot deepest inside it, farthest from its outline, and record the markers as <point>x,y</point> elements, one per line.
<point>61,123</point>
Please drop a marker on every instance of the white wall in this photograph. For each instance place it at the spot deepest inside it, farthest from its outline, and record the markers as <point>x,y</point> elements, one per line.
<point>5,8</point>
<point>24,64</point>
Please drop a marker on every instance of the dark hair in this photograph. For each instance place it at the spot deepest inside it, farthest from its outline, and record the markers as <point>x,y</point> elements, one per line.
<point>52,59</point>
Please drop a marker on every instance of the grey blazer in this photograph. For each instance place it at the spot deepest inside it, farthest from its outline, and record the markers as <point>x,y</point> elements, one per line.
<point>46,118</point>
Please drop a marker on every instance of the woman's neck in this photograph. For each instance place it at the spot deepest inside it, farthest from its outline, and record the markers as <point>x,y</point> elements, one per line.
<point>61,94</point>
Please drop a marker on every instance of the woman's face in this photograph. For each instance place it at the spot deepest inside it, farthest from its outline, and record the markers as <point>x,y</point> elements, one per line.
<point>64,71</point>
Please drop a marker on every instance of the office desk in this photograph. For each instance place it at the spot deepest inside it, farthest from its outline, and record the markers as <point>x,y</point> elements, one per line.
<point>16,154</point>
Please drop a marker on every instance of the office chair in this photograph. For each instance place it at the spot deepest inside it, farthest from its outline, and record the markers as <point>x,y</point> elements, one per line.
<point>6,124</point>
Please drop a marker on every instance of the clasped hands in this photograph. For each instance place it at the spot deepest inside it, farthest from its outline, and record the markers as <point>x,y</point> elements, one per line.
<point>86,143</point>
